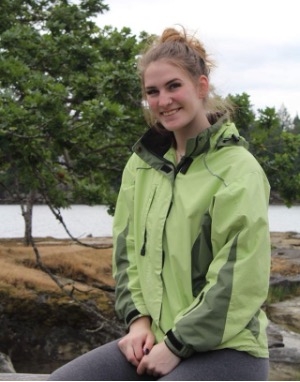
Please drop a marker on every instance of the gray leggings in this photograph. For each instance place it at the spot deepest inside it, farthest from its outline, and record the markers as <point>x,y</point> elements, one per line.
<point>107,363</point>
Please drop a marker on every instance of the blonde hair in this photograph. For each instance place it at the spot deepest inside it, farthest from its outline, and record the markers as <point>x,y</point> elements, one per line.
<point>188,53</point>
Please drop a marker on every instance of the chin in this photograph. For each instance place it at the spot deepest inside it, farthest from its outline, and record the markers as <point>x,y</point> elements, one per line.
<point>173,128</point>
<point>171,125</point>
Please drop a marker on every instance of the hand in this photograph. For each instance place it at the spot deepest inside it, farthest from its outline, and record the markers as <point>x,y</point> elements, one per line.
<point>160,361</point>
<point>139,338</point>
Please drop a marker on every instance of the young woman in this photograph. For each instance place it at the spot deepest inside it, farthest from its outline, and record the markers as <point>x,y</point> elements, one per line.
<point>191,240</point>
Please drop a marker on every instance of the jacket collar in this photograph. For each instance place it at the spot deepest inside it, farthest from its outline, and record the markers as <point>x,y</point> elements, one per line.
<point>222,133</point>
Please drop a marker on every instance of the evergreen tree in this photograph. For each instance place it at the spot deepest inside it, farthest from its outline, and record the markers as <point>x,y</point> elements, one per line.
<point>285,119</point>
<point>243,114</point>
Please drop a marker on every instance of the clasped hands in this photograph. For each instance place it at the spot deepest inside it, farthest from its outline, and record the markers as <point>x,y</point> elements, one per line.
<point>139,348</point>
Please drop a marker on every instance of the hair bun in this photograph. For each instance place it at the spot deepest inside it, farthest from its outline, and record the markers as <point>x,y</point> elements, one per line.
<point>172,35</point>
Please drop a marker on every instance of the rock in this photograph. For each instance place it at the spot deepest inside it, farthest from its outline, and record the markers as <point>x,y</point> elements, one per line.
<point>23,377</point>
<point>284,342</point>
<point>6,365</point>
<point>289,339</point>
<point>284,364</point>
<point>44,332</point>
<point>284,281</point>
<point>45,335</point>
<point>284,353</point>
<point>275,338</point>
<point>286,313</point>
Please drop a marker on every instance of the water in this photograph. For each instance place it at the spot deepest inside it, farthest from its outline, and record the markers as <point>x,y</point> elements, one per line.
<point>283,219</point>
<point>83,220</point>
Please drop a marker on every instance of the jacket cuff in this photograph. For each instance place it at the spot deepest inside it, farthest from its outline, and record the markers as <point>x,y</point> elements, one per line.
<point>132,316</point>
<point>176,347</point>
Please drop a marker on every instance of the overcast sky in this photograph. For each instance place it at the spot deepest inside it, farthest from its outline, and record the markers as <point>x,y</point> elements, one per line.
<point>256,44</point>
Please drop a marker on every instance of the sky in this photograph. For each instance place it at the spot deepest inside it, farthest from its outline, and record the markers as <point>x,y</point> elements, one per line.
<point>255,44</point>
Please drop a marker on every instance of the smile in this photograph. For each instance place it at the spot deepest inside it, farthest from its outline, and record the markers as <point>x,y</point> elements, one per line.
<point>170,112</point>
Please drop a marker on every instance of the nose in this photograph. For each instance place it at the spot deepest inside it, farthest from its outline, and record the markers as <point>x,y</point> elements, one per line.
<point>164,100</point>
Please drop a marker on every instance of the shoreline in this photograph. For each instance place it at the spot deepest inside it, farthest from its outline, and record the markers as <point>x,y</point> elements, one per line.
<point>99,239</point>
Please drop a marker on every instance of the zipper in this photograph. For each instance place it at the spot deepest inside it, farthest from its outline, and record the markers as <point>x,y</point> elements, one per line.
<point>184,165</point>
<point>143,249</point>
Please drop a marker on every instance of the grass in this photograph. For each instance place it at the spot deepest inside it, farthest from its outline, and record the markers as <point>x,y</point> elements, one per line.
<point>77,266</point>
<point>87,266</point>
<point>288,290</point>
<point>279,293</point>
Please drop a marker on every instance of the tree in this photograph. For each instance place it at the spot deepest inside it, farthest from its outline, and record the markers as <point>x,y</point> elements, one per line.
<point>243,115</point>
<point>69,103</point>
<point>278,152</point>
<point>283,168</point>
<point>270,138</point>
<point>285,119</point>
<point>296,122</point>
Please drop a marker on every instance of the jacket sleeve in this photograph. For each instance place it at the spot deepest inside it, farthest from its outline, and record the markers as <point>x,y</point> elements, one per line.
<point>129,303</point>
<point>237,279</point>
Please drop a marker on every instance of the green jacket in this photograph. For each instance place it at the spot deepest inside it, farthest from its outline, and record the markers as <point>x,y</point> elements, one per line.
<point>192,243</point>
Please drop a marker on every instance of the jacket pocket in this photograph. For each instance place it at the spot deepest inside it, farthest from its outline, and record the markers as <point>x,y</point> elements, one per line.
<point>145,215</point>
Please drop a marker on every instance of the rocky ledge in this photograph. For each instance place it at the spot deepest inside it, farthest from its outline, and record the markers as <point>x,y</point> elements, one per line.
<point>42,333</point>
<point>284,315</point>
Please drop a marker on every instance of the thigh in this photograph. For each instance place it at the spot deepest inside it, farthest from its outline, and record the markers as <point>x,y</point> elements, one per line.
<point>220,365</point>
<point>105,363</point>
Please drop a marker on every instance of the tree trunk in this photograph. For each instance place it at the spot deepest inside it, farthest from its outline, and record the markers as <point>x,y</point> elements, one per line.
<point>27,215</point>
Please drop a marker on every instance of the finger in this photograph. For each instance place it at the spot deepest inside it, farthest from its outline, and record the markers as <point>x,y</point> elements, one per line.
<point>156,375</point>
<point>138,351</point>
<point>148,345</point>
<point>131,357</point>
<point>133,360</point>
<point>129,354</point>
<point>141,368</point>
<point>153,372</point>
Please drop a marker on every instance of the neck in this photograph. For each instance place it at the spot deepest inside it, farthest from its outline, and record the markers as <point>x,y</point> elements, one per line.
<point>182,136</point>
<point>192,129</point>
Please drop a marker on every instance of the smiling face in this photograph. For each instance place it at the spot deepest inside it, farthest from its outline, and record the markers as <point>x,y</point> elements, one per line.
<point>175,100</point>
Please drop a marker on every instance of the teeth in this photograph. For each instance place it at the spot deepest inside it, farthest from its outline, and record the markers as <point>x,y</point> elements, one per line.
<point>171,112</point>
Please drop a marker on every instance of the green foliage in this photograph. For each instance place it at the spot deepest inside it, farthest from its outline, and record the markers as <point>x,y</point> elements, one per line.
<point>296,127</point>
<point>275,142</point>
<point>69,101</point>
<point>285,119</point>
<point>284,168</point>
<point>243,115</point>
<point>279,154</point>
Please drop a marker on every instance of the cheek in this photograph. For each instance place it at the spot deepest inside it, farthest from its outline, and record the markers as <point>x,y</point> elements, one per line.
<point>152,104</point>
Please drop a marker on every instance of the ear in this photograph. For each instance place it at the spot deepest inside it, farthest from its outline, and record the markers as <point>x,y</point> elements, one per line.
<point>203,87</point>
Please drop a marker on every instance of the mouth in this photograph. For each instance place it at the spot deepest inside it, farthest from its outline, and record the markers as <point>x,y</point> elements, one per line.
<point>169,112</point>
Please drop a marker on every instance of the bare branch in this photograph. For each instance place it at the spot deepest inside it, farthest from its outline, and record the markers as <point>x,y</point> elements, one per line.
<point>102,321</point>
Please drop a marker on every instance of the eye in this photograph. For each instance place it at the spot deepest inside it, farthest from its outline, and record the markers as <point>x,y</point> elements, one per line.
<point>174,85</point>
<point>151,92</point>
